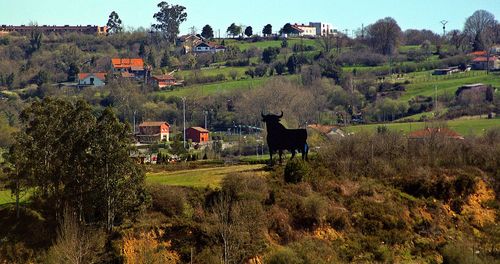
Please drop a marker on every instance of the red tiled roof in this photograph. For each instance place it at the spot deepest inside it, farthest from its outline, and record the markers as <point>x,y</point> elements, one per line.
<point>153,123</point>
<point>428,132</point>
<point>484,59</point>
<point>200,129</point>
<point>100,75</point>
<point>163,77</point>
<point>119,63</point>
<point>478,53</point>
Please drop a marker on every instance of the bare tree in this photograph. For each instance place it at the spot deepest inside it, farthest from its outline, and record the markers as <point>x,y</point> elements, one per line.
<point>298,103</point>
<point>327,43</point>
<point>479,28</point>
<point>75,244</point>
<point>225,213</point>
<point>457,39</point>
<point>384,36</point>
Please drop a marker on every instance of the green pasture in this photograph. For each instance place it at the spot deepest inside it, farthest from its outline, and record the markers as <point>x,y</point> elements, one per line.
<point>244,45</point>
<point>448,85</point>
<point>202,177</point>
<point>201,90</point>
<point>462,126</point>
<point>213,71</point>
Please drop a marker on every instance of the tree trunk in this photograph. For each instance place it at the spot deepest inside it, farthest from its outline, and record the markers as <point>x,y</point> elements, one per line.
<point>17,196</point>
<point>108,201</point>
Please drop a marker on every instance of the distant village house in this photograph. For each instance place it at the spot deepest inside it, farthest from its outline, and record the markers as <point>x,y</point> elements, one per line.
<point>164,81</point>
<point>153,132</point>
<point>482,62</point>
<point>323,29</point>
<point>22,29</point>
<point>447,71</point>
<point>92,79</point>
<point>131,67</point>
<point>303,30</point>
<point>208,47</point>
<point>197,134</point>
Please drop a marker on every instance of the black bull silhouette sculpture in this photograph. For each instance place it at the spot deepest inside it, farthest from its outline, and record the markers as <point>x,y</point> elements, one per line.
<point>280,138</point>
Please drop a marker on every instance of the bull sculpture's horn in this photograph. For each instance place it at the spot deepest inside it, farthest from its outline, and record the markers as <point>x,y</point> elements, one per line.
<point>281,114</point>
<point>262,113</point>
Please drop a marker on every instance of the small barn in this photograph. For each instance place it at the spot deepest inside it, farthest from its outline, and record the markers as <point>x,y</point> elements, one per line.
<point>197,134</point>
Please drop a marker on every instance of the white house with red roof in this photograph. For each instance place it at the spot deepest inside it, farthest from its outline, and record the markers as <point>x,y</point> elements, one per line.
<point>92,79</point>
<point>482,62</point>
<point>129,67</point>
<point>304,30</point>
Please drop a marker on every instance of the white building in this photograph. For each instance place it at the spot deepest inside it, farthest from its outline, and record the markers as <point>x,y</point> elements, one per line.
<point>322,29</point>
<point>92,79</point>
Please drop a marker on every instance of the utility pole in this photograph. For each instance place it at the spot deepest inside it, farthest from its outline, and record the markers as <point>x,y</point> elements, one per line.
<point>184,118</point>
<point>205,112</point>
<point>444,22</point>
<point>135,111</point>
<point>435,99</point>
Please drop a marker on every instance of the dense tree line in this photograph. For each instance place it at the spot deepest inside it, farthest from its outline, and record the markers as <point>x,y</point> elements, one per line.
<point>70,158</point>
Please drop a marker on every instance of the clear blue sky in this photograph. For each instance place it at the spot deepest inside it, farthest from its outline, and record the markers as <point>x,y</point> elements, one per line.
<point>343,14</point>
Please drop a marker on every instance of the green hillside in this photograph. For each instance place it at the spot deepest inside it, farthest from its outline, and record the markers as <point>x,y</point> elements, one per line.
<point>464,127</point>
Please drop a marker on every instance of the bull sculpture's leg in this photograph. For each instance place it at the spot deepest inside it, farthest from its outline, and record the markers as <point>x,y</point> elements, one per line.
<point>271,156</point>
<point>280,154</point>
<point>293,153</point>
<point>305,151</point>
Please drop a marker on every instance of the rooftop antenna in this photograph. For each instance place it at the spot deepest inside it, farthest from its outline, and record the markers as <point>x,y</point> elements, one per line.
<point>444,22</point>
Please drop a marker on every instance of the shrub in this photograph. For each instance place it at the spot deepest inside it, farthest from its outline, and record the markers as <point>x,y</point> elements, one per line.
<point>314,251</point>
<point>233,74</point>
<point>238,63</point>
<point>270,54</point>
<point>169,200</point>
<point>283,256</point>
<point>279,222</point>
<point>458,253</point>
<point>261,70</point>
<point>296,170</point>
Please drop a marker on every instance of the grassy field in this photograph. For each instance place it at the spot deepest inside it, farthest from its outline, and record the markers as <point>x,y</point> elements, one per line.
<point>214,71</point>
<point>201,178</point>
<point>464,127</point>
<point>201,90</point>
<point>447,85</point>
<point>244,45</point>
